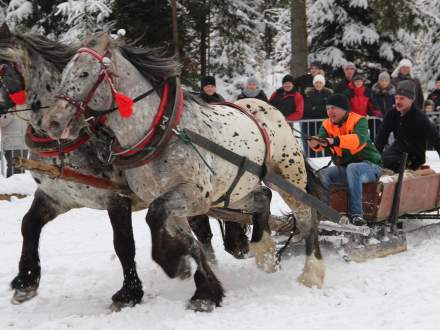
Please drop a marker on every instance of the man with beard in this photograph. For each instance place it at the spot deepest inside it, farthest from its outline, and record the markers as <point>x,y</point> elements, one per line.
<point>411,128</point>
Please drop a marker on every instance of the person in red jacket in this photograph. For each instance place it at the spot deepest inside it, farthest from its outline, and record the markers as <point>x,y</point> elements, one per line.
<point>288,100</point>
<point>360,98</point>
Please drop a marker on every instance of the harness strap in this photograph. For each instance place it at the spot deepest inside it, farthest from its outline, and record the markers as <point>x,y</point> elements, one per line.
<point>226,198</point>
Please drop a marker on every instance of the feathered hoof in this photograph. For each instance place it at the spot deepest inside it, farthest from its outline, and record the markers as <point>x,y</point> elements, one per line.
<point>184,269</point>
<point>201,305</point>
<point>23,295</point>
<point>265,254</point>
<point>313,274</point>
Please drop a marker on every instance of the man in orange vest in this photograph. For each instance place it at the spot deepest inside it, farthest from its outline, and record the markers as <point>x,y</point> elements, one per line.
<point>356,158</point>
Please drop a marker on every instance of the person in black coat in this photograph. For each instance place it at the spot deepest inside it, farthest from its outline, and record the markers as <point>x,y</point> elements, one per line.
<point>253,90</point>
<point>315,100</point>
<point>209,91</point>
<point>435,95</point>
<point>383,93</point>
<point>349,73</point>
<point>306,81</point>
<point>411,128</point>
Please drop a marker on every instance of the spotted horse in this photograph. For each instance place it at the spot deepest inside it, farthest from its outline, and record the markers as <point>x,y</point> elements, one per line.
<point>175,177</point>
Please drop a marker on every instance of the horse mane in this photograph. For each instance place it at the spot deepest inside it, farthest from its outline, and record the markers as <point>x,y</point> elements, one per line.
<point>150,64</point>
<point>52,51</point>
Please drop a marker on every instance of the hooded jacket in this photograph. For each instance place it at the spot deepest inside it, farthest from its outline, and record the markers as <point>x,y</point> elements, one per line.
<point>361,101</point>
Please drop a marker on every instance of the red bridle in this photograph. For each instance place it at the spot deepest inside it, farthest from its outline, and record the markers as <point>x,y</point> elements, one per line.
<point>124,103</point>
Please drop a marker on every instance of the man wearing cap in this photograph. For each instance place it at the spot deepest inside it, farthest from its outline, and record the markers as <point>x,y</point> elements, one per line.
<point>411,129</point>
<point>209,91</point>
<point>435,95</point>
<point>253,90</point>
<point>404,72</point>
<point>356,158</point>
<point>288,100</point>
<point>349,72</point>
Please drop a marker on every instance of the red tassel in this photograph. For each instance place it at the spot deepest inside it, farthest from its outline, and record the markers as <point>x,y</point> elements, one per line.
<point>125,105</point>
<point>18,98</point>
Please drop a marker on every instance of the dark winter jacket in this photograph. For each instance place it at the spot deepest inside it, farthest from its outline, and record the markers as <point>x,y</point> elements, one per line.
<point>383,98</point>
<point>215,98</point>
<point>419,93</point>
<point>315,102</point>
<point>361,101</point>
<point>261,96</point>
<point>291,104</point>
<point>342,87</point>
<point>412,132</point>
<point>306,81</point>
<point>435,96</point>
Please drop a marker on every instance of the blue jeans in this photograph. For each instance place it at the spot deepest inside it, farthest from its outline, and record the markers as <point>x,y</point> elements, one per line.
<point>354,175</point>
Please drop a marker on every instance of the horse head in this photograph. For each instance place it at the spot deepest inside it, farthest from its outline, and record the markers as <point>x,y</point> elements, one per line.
<point>86,84</point>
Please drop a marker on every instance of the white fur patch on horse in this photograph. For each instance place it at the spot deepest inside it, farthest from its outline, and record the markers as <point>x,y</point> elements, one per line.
<point>314,272</point>
<point>264,252</point>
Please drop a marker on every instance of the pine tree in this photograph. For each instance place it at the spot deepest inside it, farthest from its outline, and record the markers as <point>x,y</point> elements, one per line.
<point>345,30</point>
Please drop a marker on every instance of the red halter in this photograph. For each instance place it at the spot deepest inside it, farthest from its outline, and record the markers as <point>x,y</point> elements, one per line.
<point>124,103</point>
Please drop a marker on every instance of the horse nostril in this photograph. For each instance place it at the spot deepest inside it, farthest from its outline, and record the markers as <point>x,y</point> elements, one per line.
<point>54,125</point>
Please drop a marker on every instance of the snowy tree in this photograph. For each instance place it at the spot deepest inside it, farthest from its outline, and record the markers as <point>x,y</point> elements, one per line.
<point>83,17</point>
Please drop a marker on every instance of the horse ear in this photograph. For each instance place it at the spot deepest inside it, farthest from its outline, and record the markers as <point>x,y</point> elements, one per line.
<point>102,43</point>
<point>5,33</point>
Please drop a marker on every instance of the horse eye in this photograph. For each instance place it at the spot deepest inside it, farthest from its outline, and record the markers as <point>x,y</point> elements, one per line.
<point>84,74</point>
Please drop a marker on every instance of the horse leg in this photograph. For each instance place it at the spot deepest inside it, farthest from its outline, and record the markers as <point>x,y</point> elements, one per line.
<point>43,210</point>
<point>202,229</point>
<point>307,222</point>
<point>235,240</point>
<point>262,245</point>
<point>172,242</point>
<point>131,292</point>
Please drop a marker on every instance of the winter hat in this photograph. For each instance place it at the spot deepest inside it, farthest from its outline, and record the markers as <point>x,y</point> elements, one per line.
<point>438,78</point>
<point>358,77</point>
<point>208,80</point>
<point>252,80</point>
<point>384,76</point>
<point>339,101</point>
<point>406,88</point>
<point>252,93</point>
<point>319,77</point>
<point>404,62</point>
<point>349,65</point>
<point>287,78</point>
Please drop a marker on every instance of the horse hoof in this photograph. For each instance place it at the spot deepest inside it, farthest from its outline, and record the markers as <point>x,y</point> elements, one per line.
<point>22,295</point>
<point>201,305</point>
<point>117,306</point>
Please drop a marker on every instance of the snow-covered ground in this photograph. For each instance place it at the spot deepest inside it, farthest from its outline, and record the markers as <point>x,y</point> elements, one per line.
<point>80,273</point>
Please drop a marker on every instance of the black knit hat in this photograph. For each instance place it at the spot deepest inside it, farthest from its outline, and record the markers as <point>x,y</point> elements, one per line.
<point>339,101</point>
<point>438,78</point>
<point>406,88</point>
<point>208,80</point>
<point>287,78</point>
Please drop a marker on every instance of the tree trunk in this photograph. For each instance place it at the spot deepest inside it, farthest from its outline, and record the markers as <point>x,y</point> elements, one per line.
<point>298,62</point>
<point>204,34</point>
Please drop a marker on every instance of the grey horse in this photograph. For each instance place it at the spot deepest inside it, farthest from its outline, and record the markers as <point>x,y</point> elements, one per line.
<point>33,64</point>
<point>181,182</point>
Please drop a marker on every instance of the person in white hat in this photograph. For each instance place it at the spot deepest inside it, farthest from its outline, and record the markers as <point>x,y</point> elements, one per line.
<point>404,72</point>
